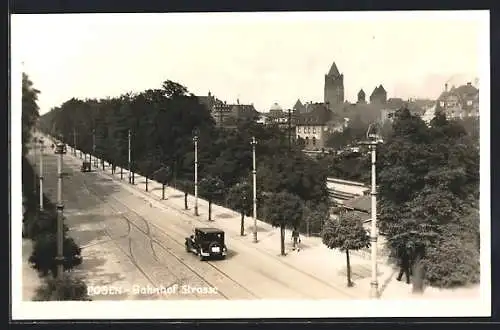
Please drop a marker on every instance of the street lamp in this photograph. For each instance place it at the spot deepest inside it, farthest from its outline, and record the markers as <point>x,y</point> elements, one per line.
<point>195,140</point>
<point>254,173</point>
<point>41,173</point>
<point>60,207</point>
<point>373,138</point>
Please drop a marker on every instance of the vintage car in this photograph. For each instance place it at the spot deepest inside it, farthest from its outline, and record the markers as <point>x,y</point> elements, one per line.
<point>85,167</point>
<point>60,148</point>
<point>207,243</point>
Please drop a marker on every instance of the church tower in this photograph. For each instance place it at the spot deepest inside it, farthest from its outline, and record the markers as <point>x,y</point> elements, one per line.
<point>334,87</point>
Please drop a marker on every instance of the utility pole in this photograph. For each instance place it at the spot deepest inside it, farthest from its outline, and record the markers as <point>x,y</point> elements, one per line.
<point>195,140</point>
<point>129,160</point>
<point>74,141</point>
<point>373,139</point>
<point>60,208</point>
<point>41,175</point>
<point>35,146</point>
<point>254,172</point>
<point>289,130</point>
<point>93,148</point>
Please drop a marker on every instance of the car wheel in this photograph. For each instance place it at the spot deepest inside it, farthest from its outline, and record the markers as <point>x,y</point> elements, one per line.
<point>202,258</point>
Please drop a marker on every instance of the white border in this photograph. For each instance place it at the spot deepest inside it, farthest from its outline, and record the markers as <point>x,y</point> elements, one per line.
<point>266,308</point>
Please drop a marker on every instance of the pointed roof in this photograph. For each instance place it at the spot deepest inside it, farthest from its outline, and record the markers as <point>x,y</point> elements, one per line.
<point>298,104</point>
<point>381,88</point>
<point>334,71</point>
<point>361,92</point>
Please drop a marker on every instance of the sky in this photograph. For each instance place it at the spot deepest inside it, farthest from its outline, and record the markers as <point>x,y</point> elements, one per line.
<point>258,58</point>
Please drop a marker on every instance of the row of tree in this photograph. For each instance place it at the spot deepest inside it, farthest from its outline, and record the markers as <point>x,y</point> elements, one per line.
<point>163,123</point>
<point>41,226</point>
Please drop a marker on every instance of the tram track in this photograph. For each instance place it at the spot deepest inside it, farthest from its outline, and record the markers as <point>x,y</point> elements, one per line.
<point>148,233</point>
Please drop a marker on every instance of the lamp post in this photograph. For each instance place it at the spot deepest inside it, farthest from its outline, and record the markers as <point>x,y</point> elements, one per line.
<point>60,207</point>
<point>373,139</point>
<point>129,160</point>
<point>35,146</point>
<point>254,173</point>
<point>74,142</point>
<point>195,140</point>
<point>41,174</point>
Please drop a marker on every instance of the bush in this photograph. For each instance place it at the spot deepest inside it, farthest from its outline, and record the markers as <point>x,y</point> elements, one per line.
<point>67,288</point>
<point>45,250</point>
<point>452,264</point>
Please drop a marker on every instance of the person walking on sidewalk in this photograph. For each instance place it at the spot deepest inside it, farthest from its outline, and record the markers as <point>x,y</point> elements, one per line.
<point>296,239</point>
<point>405,263</point>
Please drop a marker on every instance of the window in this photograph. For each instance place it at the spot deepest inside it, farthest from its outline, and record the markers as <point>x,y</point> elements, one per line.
<point>314,129</point>
<point>442,103</point>
<point>298,129</point>
<point>314,140</point>
<point>469,102</point>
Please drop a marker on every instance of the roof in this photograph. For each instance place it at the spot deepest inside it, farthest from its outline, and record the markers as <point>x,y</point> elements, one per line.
<point>360,203</point>
<point>463,92</point>
<point>361,92</point>
<point>275,106</point>
<point>317,115</point>
<point>210,230</point>
<point>378,90</point>
<point>334,71</point>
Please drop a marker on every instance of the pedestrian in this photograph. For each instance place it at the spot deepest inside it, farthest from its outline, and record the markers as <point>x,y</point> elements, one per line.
<point>296,239</point>
<point>405,263</point>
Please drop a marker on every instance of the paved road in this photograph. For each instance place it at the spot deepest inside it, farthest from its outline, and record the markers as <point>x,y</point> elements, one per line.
<point>128,244</point>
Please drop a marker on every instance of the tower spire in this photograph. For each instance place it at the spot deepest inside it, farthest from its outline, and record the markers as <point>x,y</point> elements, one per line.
<point>334,71</point>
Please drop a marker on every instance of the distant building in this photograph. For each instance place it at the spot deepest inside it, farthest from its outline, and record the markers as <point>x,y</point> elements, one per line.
<point>361,96</point>
<point>228,115</point>
<point>379,95</point>
<point>334,87</point>
<point>460,102</point>
<point>299,107</point>
<point>280,118</point>
<point>314,126</point>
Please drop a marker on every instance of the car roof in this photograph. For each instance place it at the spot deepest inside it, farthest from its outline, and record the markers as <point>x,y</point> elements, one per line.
<point>210,230</point>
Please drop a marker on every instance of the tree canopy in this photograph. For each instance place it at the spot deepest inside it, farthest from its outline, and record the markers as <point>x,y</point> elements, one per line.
<point>429,178</point>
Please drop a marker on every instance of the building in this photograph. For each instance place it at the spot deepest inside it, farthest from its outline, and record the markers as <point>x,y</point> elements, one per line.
<point>228,115</point>
<point>379,95</point>
<point>334,87</point>
<point>278,117</point>
<point>314,127</point>
<point>361,96</point>
<point>460,102</point>
<point>341,191</point>
<point>299,108</point>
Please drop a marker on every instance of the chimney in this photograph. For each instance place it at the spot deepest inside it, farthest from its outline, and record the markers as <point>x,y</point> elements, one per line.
<point>446,87</point>
<point>469,84</point>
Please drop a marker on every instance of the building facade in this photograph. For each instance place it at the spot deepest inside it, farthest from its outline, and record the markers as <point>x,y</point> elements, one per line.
<point>459,102</point>
<point>334,87</point>
<point>314,127</point>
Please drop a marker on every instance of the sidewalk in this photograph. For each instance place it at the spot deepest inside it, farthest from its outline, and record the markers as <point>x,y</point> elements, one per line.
<point>314,258</point>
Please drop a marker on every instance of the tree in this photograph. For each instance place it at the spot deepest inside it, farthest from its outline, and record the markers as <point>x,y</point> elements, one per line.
<point>428,184</point>
<point>345,233</point>
<point>187,187</point>
<point>315,216</point>
<point>45,251</point>
<point>212,188</point>
<point>163,175</point>
<point>65,288</point>
<point>29,109</point>
<point>283,210</point>
<point>240,198</point>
